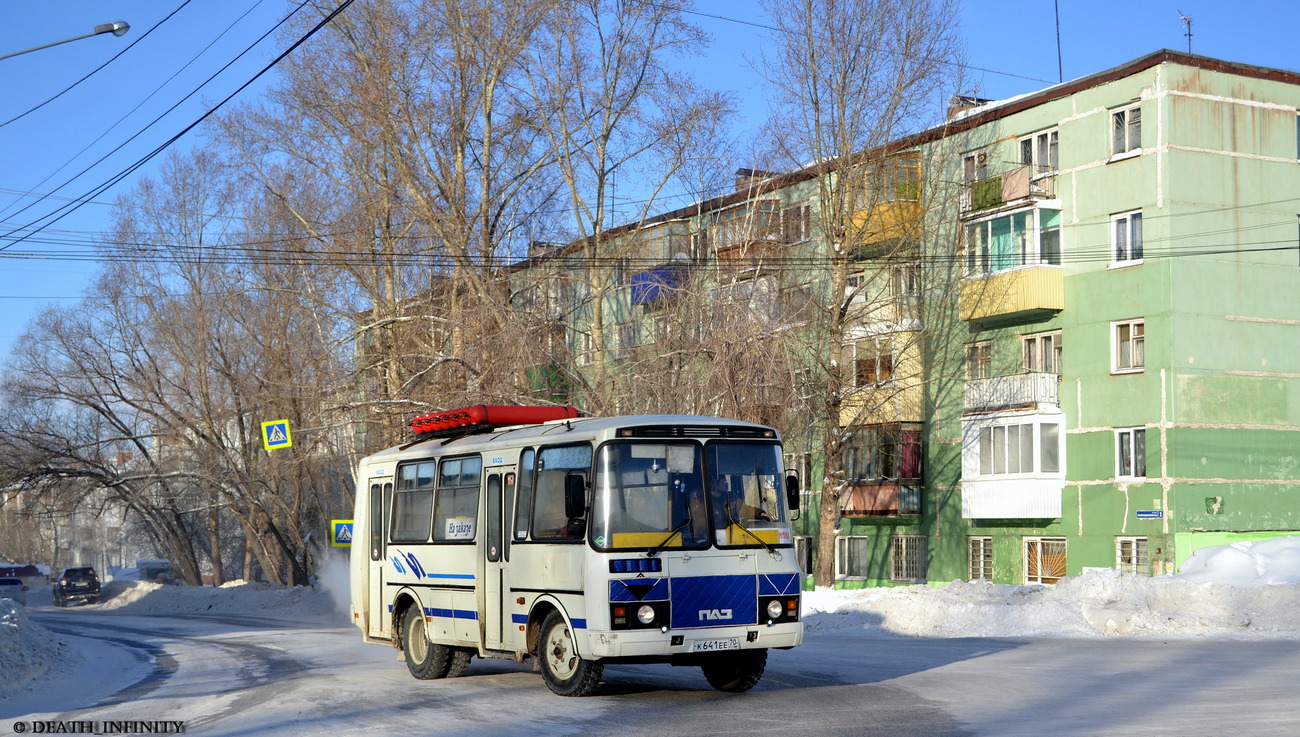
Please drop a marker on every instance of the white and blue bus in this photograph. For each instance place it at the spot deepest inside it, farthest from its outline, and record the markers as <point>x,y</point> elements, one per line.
<point>576,542</point>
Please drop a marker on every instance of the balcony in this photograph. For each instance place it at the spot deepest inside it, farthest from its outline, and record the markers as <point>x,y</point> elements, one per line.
<point>885,499</point>
<point>1013,391</point>
<point>1012,187</point>
<point>1024,498</point>
<point>1021,294</point>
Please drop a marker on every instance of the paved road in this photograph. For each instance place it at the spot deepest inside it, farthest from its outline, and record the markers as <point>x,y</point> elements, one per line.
<point>226,675</point>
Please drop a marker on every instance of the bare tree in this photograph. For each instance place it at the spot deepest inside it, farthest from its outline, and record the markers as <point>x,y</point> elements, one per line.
<point>849,80</point>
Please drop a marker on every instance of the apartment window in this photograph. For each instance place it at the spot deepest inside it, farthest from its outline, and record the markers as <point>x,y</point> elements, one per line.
<point>979,360</point>
<point>1129,348</point>
<point>1042,352</point>
<point>851,556</point>
<point>905,282</point>
<point>586,349</point>
<point>800,464</point>
<point>907,558</point>
<point>1126,130</point>
<point>979,558</point>
<point>974,167</point>
<point>796,223</point>
<point>1126,236</point>
<point>1131,555</point>
<point>1045,559</point>
<point>878,452</point>
<point>803,553</point>
<point>1019,448</point>
<point>873,362</point>
<point>1040,152</point>
<point>1025,238</point>
<point>1131,453</point>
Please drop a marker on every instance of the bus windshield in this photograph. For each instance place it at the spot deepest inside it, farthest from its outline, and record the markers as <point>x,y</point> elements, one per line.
<point>664,495</point>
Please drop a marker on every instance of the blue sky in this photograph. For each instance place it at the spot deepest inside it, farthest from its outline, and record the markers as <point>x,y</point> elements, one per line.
<point>1012,48</point>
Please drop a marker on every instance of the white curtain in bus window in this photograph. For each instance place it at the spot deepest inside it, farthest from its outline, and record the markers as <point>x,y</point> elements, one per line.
<point>456,510</point>
<point>413,502</point>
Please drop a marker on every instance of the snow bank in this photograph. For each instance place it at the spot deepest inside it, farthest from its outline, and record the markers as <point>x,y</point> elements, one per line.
<point>27,650</point>
<point>236,597</point>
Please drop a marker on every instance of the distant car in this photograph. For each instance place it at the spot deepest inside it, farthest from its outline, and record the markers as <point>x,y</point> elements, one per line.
<point>76,584</point>
<point>13,588</point>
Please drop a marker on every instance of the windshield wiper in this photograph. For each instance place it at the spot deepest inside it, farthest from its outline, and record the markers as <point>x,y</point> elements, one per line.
<point>652,552</point>
<point>731,517</point>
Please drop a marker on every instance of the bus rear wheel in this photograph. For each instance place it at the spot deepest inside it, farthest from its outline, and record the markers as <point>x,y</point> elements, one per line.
<point>424,659</point>
<point>735,672</point>
<point>564,672</point>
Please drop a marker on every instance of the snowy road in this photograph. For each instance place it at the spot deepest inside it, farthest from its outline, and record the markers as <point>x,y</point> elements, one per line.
<point>240,675</point>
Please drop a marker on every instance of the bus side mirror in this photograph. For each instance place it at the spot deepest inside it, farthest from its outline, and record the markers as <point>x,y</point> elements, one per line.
<point>792,492</point>
<point>575,495</point>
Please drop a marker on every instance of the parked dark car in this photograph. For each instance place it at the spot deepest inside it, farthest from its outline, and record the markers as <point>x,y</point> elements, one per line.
<point>76,584</point>
<point>13,588</point>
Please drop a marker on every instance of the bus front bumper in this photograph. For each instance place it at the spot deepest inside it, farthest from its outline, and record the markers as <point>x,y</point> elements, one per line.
<point>654,643</point>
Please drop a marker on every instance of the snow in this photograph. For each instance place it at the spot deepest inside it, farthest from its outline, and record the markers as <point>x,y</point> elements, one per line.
<point>1247,590</point>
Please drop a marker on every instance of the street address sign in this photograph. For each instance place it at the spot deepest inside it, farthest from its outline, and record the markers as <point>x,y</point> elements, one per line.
<point>1150,514</point>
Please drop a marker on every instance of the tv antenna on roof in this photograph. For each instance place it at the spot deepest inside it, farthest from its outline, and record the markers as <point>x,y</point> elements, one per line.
<point>1187,21</point>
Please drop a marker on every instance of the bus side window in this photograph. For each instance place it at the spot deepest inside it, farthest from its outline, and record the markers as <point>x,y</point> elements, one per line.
<point>376,522</point>
<point>524,511</point>
<point>413,502</point>
<point>553,466</point>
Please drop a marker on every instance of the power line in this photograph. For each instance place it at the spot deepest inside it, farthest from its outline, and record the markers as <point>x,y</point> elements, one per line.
<point>67,209</point>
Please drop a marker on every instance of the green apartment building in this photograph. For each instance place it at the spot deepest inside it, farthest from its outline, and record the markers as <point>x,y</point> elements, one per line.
<point>1117,380</point>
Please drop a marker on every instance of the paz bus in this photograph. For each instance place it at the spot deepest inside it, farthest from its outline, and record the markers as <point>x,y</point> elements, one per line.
<point>535,534</point>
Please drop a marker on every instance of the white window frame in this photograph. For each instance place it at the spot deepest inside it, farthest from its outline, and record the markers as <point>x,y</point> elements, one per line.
<point>1032,440</point>
<point>979,259</point>
<point>1135,466</point>
<point>1125,127</point>
<point>979,558</point>
<point>1131,555</point>
<point>1032,557</point>
<point>1135,363</point>
<point>844,550</point>
<point>1126,238</point>
<point>586,349</point>
<point>882,355</point>
<point>1041,151</point>
<point>907,558</point>
<point>796,223</point>
<point>1041,352</point>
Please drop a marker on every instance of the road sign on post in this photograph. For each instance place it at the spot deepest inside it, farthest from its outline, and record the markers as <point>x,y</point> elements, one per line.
<point>276,435</point>
<point>341,533</point>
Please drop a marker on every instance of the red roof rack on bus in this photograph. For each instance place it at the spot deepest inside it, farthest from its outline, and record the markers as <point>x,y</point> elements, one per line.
<point>481,417</point>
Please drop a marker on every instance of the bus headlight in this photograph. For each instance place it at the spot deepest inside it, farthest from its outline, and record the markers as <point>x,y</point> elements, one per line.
<point>774,609</point>
<point>646,614</point>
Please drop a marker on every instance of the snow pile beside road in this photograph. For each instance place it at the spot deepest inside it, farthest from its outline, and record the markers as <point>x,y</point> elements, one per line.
<point>27,650</point>
<point>1242,590</point>
<point>236,597</point>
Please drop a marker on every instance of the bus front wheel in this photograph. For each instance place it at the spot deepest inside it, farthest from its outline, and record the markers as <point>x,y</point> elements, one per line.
<point>737,671</point>
<point>424,659</point>
<point>564,672</point>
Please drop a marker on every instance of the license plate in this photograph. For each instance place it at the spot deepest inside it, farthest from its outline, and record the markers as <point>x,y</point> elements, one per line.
<point>713,646</point>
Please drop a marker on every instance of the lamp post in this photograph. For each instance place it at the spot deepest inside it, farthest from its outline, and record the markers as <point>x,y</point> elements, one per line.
<point>117,28</point>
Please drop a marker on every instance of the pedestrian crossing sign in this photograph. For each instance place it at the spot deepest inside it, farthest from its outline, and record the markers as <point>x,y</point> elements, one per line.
<point>341,533</point>
<point>276,435</point>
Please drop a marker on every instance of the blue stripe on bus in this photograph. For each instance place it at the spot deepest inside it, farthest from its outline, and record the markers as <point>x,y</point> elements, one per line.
<point>462,576</point>
<point>578,624</point>
<point>778,584</point>
<point>451,613</point>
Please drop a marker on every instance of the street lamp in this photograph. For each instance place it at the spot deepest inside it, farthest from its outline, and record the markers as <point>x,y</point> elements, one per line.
<point>117,28</point>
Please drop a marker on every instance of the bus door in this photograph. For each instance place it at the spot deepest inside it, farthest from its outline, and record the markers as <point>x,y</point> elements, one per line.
<point>378,623</point>
<point>494,609</point>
